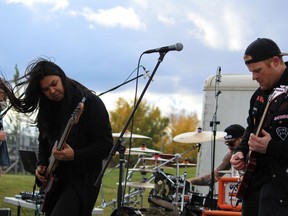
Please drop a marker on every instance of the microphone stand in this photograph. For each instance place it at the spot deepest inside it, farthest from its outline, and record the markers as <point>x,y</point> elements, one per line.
<point>214,124</point>
<point>119,147</point>
<point>121,85</point>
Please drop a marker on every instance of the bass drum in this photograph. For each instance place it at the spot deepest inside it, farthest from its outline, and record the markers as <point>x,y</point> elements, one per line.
<point>127,211</point>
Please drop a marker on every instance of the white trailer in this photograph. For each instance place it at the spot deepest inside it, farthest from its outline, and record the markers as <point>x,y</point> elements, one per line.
<point>233,104</point>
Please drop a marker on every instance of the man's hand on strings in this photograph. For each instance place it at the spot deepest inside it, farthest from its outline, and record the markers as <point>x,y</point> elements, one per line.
<point>259,144</point>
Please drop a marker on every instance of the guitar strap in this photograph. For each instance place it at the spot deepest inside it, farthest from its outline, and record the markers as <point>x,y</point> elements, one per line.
<point>274,106</point>
<point>273,109</point>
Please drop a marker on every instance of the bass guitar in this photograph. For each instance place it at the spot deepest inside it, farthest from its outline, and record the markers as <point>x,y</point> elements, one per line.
<point>46,190</point>
<point>274,99</point>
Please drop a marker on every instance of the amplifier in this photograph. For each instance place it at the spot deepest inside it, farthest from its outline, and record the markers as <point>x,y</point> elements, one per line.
<point>227,189</point>
<point>5,212</point>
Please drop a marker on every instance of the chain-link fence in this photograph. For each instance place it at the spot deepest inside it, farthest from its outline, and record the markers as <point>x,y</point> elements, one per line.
<point>16,143</point>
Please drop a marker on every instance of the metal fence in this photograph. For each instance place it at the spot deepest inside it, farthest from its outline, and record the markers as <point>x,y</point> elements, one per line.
<point>16,143</point>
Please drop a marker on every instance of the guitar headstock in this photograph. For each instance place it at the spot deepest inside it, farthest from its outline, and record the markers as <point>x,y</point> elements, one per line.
<point>77,112</point>
<point>283,89</point>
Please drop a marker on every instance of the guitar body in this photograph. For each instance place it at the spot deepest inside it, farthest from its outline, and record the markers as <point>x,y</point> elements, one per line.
<point>245,181</point>
<point>47,190</point>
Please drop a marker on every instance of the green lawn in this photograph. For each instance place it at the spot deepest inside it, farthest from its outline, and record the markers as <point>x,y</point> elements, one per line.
<point>10,185</point>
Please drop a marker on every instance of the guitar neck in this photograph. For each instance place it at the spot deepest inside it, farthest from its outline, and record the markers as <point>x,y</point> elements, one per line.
<point>59,145</point>
<point>260,126</point>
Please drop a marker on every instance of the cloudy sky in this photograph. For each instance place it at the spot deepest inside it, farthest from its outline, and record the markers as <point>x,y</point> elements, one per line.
<point>99,43</point>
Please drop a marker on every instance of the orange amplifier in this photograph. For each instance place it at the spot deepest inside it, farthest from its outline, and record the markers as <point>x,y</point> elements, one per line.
<point>227,189</point>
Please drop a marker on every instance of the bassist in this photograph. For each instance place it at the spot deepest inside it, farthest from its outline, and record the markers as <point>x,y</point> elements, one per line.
<point>49,91</point>
<point>267,187</point>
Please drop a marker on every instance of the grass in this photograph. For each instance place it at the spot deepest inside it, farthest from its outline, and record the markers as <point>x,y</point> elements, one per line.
<point>11,185</point>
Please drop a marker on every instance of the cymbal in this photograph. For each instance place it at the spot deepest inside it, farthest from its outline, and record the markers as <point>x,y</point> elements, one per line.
<point>132,153</point>
<point>128,135</point>
<point>197,137</point>
<point>184,164</point>
<point>139,184</point>
<point>154,159</point>
<point>144,149</point>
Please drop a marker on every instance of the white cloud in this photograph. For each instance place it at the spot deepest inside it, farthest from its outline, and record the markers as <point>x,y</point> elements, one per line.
<point>56,4</point>
<point>224,28</point>
<point>237,29</point>
<point>205,30</point>
<point>166,20</point>
<point>117,16</point>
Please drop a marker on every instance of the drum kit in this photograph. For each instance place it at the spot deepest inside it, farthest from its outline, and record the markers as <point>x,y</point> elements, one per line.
<point>169,194</point>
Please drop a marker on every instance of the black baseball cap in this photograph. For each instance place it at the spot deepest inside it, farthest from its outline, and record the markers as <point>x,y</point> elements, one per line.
<point>234,131</point>
<point>262,49</point>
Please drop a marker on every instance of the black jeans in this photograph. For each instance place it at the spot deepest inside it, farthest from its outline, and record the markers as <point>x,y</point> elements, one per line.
<point>262,202</point>
<point>68,204</point>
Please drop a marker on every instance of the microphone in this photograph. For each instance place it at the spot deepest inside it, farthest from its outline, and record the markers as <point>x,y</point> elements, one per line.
<point>177,47</point>
<point>218,75</point>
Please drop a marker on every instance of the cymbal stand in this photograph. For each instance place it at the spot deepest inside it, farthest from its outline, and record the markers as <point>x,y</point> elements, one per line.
<point>105,204</point>
<point>183,190</point>
<point>177,155</point>
<point>133,194</point>
<point>130,173</point>
<point>175,204</point>
<point>120,148</point>
<point>134,190</point>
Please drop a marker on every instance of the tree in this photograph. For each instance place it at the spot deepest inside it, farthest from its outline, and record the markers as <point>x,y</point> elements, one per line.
<point>18,123</point>
<point>182,123</point>
<point>147,121</point>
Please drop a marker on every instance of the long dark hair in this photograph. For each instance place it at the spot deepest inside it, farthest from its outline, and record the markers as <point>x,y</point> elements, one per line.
<point>50,113</point>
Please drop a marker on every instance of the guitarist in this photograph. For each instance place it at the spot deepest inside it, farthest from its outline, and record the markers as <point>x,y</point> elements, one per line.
<point>267,191</point>
<point>55,96</point>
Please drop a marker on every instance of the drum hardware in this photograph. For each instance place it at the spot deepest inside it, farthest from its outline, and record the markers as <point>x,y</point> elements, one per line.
<point>183,191</point>
<point>105,204</point>
<point>130,172</point>
<point>137,188</point>
<point>128,201</point>
<point>176,184</point>
<point>163,195</point>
